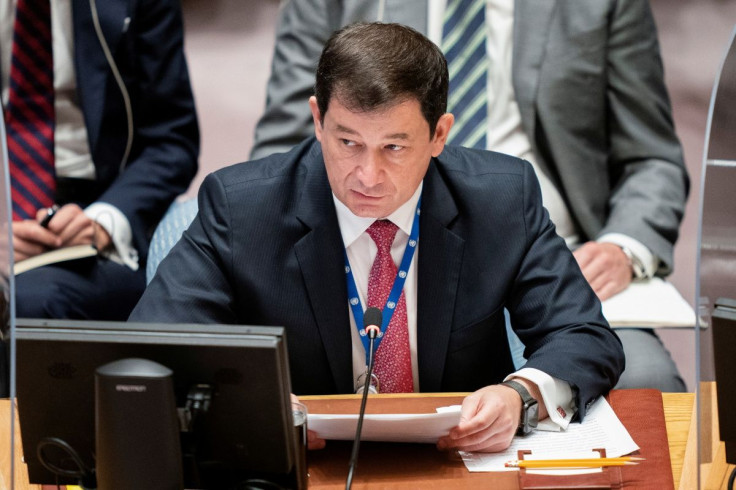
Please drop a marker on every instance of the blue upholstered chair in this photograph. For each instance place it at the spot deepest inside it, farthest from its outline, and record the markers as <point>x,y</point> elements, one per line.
<point>177,219</point>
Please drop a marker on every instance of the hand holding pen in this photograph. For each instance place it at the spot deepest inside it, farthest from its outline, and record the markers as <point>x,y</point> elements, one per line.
<point>32,237</point>
<point>50,212</point>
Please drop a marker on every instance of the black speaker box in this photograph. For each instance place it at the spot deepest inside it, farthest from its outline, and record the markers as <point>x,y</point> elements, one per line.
<point>137,427</point>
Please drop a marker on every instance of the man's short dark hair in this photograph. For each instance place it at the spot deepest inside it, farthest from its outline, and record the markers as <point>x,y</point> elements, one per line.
<point>371,65</point>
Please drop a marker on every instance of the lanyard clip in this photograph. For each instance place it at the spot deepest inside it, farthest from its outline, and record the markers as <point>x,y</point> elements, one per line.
<point>372,388</point>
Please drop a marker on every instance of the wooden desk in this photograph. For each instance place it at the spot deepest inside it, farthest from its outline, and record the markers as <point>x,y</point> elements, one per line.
<point>678,409</point>
<point>679,412</point>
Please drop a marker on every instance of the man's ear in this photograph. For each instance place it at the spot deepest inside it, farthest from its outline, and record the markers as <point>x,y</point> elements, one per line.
<point>316,117</point>
<point>441,132</point>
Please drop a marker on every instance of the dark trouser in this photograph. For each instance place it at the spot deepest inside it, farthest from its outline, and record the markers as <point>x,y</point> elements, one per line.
<point>96,289</point>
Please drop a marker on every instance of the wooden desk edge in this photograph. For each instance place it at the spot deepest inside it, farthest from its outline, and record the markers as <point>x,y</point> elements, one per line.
<point>678,410</point>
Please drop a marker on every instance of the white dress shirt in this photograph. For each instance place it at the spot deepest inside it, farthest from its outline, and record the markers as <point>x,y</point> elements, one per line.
<point>361,251</point>
<point>505,133</point>
<point>72,157</point>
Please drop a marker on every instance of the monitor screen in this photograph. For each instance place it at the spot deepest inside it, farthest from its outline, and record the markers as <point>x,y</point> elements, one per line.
<point>247,427</point>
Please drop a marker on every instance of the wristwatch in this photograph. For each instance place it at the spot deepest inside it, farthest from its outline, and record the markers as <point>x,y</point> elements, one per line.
<point>529,408</point>
<point>636,265</point>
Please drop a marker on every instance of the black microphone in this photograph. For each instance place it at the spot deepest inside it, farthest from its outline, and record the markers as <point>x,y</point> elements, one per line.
<point>372,319</point>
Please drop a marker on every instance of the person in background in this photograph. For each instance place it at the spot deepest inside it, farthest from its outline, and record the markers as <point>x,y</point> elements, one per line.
<point>375,211</point>
<point>574,87</point>
<point>102,135</point>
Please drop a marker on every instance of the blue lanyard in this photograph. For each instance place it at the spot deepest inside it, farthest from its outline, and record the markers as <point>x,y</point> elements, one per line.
<point>393,297</point>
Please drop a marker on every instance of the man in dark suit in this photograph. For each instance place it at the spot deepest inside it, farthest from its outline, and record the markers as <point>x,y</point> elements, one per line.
<point>576,88</point>
<point>289,240</point>
<point>126,145</point>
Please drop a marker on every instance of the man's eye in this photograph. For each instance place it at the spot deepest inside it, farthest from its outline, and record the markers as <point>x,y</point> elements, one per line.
<point>394,147</point>
<point>347,142</point>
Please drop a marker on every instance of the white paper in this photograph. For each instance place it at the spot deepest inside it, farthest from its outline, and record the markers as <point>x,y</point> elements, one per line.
<point>650,303</point>
<point>601,429</point>
<point>422,427</point>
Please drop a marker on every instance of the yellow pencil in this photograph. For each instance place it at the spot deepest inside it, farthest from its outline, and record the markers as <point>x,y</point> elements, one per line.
<point>574,463</point>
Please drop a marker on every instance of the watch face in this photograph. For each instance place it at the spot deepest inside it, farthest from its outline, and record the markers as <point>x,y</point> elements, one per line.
<point>529,417</point>
<point>533,415</point>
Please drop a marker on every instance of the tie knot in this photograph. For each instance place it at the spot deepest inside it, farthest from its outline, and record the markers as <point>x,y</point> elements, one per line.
<point>382,232</point>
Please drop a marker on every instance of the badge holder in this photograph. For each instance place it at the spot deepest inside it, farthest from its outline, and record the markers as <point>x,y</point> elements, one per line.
<point>609,477</point>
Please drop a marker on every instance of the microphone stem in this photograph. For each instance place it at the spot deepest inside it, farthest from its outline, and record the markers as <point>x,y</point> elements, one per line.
<point>356,442</point>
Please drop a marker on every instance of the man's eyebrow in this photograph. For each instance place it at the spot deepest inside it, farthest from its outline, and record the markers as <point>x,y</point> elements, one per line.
<point>344,129</point>
<point>397,136</point>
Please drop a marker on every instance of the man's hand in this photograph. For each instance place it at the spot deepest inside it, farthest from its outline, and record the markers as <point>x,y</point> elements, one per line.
<point>489,418</point>
<point>31,239</point>
<point>70,226</point>
<point>605,267</point>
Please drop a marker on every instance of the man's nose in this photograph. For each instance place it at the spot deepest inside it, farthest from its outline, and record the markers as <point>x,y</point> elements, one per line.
<point>371,170</point>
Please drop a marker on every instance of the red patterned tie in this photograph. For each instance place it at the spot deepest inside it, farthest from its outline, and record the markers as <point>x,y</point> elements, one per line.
<point>30,112</point>
<point>393,358</point>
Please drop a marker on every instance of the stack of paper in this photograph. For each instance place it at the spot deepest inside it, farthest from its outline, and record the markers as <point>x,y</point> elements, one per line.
<point>601,429</point>
<point>650,303</point>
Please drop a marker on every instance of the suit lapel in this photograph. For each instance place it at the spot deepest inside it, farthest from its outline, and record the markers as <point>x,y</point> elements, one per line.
<point>89,60</point>
<point>320,256</point>
<point>440,261</point>
<point>532,20</point>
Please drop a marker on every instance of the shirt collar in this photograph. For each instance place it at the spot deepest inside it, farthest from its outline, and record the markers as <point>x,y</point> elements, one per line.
<point>352,227</point>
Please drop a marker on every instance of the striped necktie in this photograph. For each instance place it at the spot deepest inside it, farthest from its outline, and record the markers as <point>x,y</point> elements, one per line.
<point>464,45</point>
<point>30,112</point>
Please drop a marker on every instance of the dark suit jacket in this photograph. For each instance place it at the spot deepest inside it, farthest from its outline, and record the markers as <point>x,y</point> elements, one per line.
<point>588,81</point>
<point>266,249</point>
<point>146,40</point>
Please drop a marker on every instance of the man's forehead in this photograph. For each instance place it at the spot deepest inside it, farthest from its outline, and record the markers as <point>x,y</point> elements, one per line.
<point>352,120</point>
<point>353,104</point>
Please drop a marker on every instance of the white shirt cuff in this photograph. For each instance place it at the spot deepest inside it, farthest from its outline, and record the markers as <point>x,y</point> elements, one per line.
<point>638,249</point>
<point>118,227</point>
<point>556,394</point>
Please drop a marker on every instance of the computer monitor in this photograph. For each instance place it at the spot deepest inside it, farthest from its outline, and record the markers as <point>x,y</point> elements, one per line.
<point>247,429</point>
<point>723,321</point>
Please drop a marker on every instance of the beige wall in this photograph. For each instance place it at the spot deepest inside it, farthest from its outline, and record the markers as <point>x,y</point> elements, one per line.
<point>229,45</point>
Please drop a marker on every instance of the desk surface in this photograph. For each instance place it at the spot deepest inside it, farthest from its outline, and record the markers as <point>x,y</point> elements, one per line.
<point>678,409</point>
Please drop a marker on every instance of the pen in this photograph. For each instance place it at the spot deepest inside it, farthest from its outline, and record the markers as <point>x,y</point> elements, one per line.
<point>50,212</point>
<point>573,463</point>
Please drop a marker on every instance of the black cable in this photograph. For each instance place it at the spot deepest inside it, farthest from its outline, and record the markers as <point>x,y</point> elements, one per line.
<point>83,474</point>
<point>731,479</point>
<point>259,484</point>
<point>356,442</point>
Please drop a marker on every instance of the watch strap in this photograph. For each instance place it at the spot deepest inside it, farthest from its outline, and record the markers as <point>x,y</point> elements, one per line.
<point>527,400</point>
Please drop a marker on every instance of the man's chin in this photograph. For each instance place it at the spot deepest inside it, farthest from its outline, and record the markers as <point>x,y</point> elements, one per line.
<point>369,211</point>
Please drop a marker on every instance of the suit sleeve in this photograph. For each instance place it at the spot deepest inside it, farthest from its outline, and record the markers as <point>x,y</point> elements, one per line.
<point>163,159</point>
<point>555,312</point>
<point>191,284</point>
<point>649,178</point>
<point>303,28</point>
